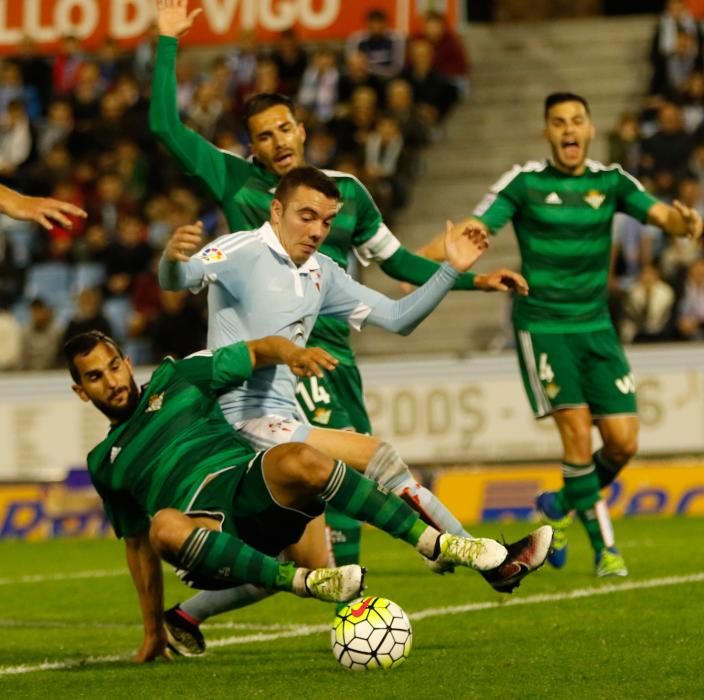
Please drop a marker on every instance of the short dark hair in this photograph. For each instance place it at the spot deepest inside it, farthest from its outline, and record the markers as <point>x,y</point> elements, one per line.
<point>263,101</point>
<point>557,98</point>
<point>306,176</point>
<point>82,344</point>
<point>377,15</point>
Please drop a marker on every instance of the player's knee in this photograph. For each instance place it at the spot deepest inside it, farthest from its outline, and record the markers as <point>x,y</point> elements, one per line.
<point>305,467</point>
<point>622,448</point>
<point>166,533</point>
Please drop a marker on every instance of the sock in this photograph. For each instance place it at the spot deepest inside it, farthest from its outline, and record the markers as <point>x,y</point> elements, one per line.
<point>598,525</point>
<point>345,534</point>
<point>358,497</point>
<point>390,471</point>
<point>606,470</point>
<point>581,489</point>
<point>214,559</point>
<point>208,603</point>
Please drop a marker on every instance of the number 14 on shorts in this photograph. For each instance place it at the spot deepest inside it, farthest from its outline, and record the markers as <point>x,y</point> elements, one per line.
<point>316,396</point>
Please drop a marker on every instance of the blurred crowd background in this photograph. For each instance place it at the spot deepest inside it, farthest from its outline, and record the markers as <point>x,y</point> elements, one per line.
<point>74,126</point>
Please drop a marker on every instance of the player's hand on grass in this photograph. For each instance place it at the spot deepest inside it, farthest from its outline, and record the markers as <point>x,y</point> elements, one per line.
<point>502,280</point>
<point>173,18</point>
<point>185,241</point>
<point>691,218</point>
<point>464,246</point>
<point>153,647</point>
<point>310,362</point>
<point>45,211</point>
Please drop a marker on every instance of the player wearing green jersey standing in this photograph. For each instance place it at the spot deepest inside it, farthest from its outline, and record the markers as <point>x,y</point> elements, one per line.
<point>572,363</point>
<point>179,484</point>
<point>244,189</point>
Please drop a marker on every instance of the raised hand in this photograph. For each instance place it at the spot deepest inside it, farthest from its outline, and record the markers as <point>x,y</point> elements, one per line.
<point>185,241</point>
<point>173,18</point>
<point>463,247</point>
<point>691,218</point>
<point>45,211</point>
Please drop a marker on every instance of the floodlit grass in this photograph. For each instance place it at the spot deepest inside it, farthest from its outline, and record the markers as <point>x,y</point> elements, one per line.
<point>563,634</point>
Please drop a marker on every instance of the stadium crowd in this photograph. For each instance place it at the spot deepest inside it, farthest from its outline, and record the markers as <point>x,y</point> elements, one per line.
<point>75,126</point>
<point>657,290</point>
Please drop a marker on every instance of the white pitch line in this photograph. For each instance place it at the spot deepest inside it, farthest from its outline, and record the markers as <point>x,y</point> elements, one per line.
<point>308,630</point>
<point>41,578</point>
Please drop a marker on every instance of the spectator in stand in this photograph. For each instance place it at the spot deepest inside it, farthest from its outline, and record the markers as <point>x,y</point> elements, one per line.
<point>92,246</point>
<point>625,143</point>
<point>668,42</point>
<point>89,315</point>
<point>15,141</point>
<point>318,94</point>
<point>243,59</point>
<point>680,253</point>
<point>647,311</point>
<point>143,59</point>
<point>166,330</point>
<point>356,74</point>
<point>352,129</point>
<point>67,64</point>
<point>669,148</point>
<point>41,177</point>
<point>11,276</point>
<point>107,127</point>
<point>430,90</point>
<point>206,111</point>
<point>188,80</point>
<point>111,62</point>
<point>450,57</point>
<point>320,148</point>
<point>40,338</point>
<point>399,103</point>
<point>10,339</point>
<point>128,256</point>
<point>291,60</point>
<point>690,316</point>
<point>266,79</point>
<point>383,47</point>
<point>57,128</point>
<point>12,87</point>
<point>109,202</point>
<point>85,97</point>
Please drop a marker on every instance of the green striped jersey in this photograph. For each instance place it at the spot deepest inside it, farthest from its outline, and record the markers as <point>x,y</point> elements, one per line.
<point>563,226</point>
<point>176,438</point>
<point>244,189</point>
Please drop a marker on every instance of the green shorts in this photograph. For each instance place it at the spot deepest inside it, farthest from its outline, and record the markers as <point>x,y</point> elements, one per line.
<point>567,370</point>
<point>245,508</point>
<point>334,401</point>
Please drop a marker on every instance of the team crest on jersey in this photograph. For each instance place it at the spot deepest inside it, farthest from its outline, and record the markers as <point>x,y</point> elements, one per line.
<point>322,415</point>
<point>155,403</point>
<point>552,390</point>
<point>114,452</point>
<point>594,198</point>
<point>212,254</point>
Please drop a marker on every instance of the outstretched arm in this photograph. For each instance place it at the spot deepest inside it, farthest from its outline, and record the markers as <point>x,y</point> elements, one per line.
<point>145,567</point>
<point>303,362</point>
<point>45,211</point>
<point>677,220</point>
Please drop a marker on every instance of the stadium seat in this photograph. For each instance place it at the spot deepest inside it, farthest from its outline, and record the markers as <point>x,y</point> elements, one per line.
<point>50,282</point>
<point>87,275</point>
<point>21,235</point>
<point>117,310</point>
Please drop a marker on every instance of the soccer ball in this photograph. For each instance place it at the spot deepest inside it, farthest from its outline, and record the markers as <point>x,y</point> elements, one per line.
<point>371,633</point>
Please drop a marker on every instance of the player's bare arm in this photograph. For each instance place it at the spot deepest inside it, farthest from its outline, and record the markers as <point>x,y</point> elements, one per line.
<point>173,18</point>
<point>44,210</point>
<point>303,362</point>
<point>499,280</point>
<point>145,567</point>
<point>677,220</point>
<point>184,241</point>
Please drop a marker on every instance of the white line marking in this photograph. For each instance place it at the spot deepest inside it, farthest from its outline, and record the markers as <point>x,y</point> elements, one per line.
<point>41,578</point>
<point>308,630</point>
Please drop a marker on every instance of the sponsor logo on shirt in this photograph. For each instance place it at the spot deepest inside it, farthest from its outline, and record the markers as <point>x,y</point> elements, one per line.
<point>553,198</point>
<point>212,254</point>
<point>594,198</point>
<point>155,403</point>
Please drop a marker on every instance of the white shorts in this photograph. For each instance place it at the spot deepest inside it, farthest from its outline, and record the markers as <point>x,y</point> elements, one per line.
<point>266,431</point>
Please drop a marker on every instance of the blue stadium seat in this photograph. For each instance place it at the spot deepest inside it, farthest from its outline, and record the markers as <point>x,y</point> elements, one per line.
<point>21,235</point>
<point>51,282</point>
<point>87,275</point>
<point>118,310</point>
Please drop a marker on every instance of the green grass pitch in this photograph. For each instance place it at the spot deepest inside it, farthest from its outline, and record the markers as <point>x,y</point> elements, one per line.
<point>69,621</point>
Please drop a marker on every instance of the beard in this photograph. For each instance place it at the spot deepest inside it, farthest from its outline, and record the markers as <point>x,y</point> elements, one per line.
<point>119,414</point>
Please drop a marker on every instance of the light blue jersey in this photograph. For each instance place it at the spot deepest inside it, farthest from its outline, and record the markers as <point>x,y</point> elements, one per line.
<point>255,290</point>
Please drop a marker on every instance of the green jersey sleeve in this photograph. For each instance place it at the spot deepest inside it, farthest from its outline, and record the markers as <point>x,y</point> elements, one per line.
<point>217,371</point>
<point>221,172</point>
<point>632,198</point>
<point>502,201</point>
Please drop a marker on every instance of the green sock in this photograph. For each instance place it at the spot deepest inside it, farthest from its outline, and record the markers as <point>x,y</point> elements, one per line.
<point>357,497</point>
<point>581,489</point>
<point>345,534</point>
<point>606,471</point>
<point>597,523</point>
<point>211,557</point>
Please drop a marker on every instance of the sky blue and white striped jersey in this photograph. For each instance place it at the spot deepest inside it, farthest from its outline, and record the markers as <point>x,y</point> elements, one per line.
<point>255,290</point>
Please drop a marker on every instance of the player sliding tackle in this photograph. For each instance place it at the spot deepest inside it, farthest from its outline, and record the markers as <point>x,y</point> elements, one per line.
<point>273,281</point>
<point>179,484</point>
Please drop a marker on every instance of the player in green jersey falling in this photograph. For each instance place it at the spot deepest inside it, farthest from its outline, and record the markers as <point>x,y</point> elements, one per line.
<point>244,189</point>
<point>179,484</point>
<point>572,363</point>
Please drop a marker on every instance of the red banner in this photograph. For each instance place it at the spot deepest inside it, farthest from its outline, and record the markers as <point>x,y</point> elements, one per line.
<point>92,21</point>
